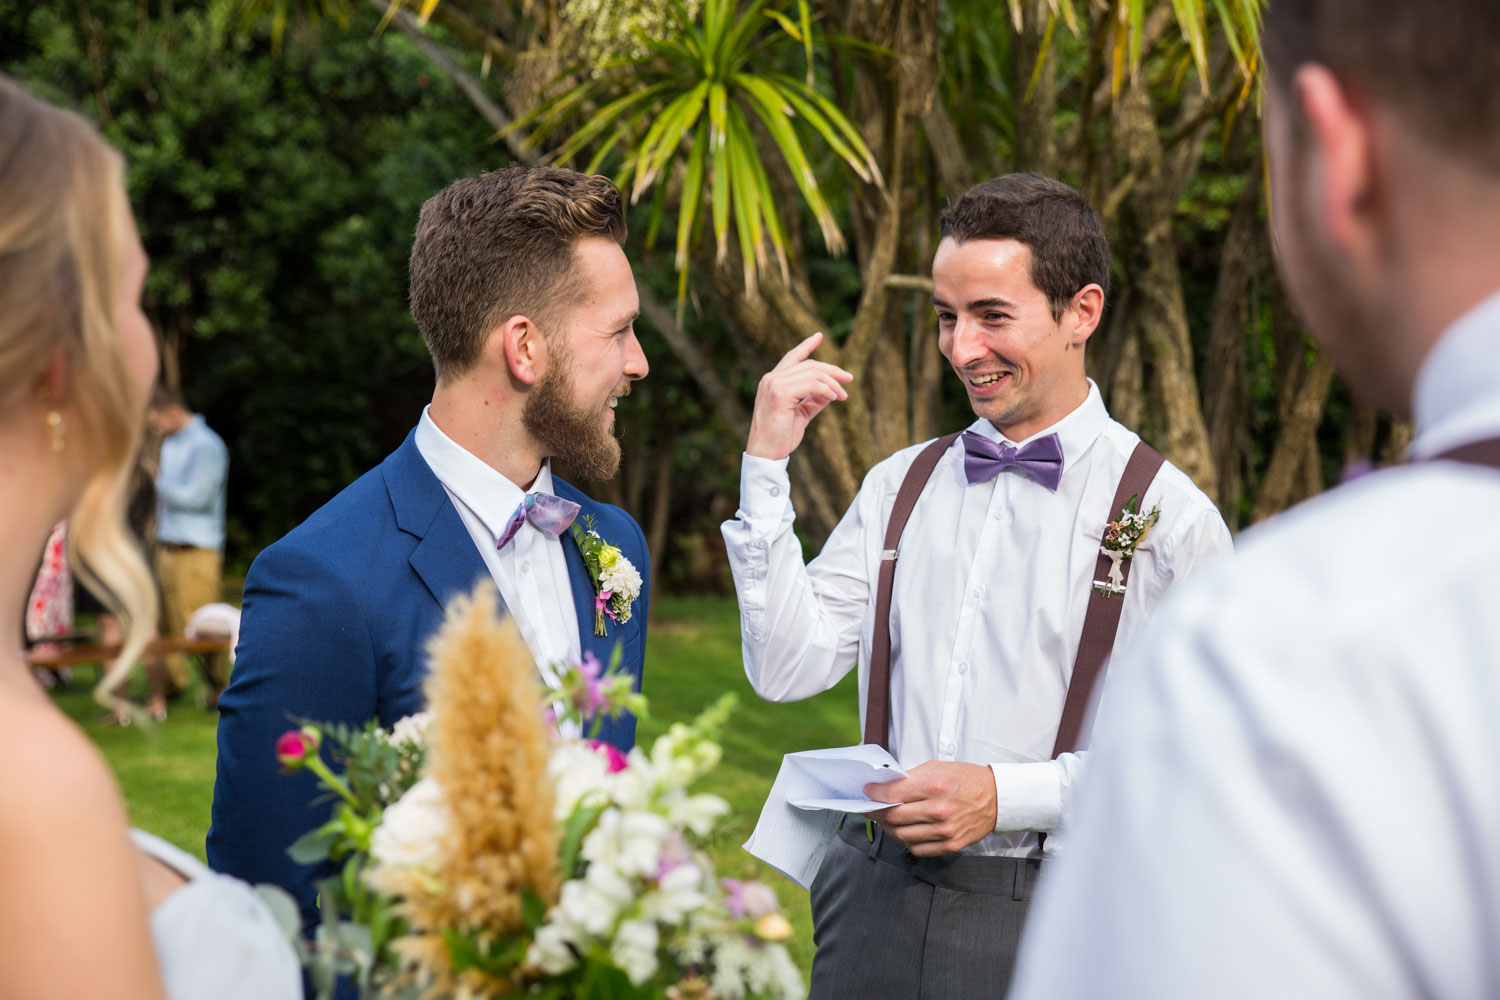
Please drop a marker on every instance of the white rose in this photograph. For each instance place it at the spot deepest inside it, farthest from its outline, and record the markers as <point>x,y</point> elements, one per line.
<point>634,950</point>
<point>411,832</point>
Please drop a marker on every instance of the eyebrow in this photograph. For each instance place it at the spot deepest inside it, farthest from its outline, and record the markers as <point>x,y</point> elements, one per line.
<point>977,304</point>
<point>626,320</point>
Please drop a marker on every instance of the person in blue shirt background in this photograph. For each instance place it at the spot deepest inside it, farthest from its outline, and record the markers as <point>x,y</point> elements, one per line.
<point>192,476</point>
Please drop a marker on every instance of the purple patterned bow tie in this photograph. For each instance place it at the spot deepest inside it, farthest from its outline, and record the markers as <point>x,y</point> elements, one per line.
<point>1041,459</point>
<point>551,514</point>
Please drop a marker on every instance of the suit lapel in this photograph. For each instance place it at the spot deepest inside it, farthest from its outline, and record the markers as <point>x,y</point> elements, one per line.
<point>445,557</point>
<point>583,584</point>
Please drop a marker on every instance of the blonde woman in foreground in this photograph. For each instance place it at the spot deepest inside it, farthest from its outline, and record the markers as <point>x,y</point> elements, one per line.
<point>84,912</point>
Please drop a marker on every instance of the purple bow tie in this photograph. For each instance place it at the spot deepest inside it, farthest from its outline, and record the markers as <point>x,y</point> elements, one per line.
<point>1041,459</point>
<point>552,514</point>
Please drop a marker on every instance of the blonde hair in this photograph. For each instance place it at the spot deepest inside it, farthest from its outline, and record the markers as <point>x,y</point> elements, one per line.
<point>61,211</point>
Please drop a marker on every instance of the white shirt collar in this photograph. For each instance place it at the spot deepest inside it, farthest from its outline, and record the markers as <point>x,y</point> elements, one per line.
<point>1075,432</point>
<point>1456,398</point>
<point>491,496</point>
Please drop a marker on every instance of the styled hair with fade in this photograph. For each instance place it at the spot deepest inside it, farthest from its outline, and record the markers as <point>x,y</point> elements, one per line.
<point>1433,63</point>
<point>1069,249</point>
<point>500,245</point>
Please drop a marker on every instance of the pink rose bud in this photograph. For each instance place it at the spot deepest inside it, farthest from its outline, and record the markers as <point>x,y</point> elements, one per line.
<point>295,746</point>
<point>617,760</point>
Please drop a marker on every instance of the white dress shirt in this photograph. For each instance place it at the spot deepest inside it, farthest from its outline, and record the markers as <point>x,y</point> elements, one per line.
<point>531,571</point>
<point>1296,780</point>
<point>988,606</point>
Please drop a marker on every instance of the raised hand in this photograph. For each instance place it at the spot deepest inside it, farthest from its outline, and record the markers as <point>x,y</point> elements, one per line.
<point>789,396</point>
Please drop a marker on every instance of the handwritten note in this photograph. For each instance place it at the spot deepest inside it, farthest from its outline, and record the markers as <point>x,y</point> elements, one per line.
<point>812,792</point>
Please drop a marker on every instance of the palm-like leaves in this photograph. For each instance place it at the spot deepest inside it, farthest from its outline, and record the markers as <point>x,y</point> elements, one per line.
<point>703,98</point>
<point>1238,20</point>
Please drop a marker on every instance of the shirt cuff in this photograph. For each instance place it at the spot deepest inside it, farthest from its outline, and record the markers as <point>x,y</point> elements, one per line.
<point>765,487</point>
<point>1027,796</point>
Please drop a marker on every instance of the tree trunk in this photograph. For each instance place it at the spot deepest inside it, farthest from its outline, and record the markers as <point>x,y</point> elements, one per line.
<point>1298,430</point>
<point>1226,398</point>
<point>1161,314</point>
<point>1036,131</point>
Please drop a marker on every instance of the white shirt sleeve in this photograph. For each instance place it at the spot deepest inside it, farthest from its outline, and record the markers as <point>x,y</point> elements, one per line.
<point>799,623</point>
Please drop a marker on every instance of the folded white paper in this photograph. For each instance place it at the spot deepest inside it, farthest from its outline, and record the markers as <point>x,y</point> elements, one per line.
<point>812,791</point>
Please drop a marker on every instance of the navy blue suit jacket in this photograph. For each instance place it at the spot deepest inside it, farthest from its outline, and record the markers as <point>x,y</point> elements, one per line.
<point>335,620</point>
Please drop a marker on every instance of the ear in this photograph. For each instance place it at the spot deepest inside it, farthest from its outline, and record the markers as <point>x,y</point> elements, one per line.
<point>1340,130</point>
<point>1086,309</point>
<point>521,347</point>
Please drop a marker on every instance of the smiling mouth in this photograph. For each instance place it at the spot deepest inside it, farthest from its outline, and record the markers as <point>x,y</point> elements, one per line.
<point>985,381</point>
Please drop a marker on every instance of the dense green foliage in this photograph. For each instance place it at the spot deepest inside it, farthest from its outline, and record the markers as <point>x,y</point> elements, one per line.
<point>276,197</point>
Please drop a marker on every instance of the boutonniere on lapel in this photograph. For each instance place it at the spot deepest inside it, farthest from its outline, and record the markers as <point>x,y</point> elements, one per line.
<point>1122,537</point>
<point>616,582</point>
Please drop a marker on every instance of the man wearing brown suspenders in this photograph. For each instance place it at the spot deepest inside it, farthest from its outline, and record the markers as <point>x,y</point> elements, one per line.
<point>978,583</point>
<point>1298,790</point>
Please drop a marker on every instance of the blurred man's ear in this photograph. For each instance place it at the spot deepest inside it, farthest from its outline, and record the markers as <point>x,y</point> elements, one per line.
<point>1339,131</point>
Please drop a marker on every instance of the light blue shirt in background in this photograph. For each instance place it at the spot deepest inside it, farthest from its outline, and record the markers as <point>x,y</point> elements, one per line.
<point>191,486</point>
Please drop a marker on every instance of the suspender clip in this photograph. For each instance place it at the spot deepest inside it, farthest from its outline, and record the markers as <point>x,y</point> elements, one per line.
<point>889,555</point>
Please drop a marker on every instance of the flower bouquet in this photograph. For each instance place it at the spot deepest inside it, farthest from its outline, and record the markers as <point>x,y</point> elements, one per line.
<point>482,854</point>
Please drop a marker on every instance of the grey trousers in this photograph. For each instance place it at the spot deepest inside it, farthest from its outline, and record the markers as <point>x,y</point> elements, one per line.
<point>888,925</point>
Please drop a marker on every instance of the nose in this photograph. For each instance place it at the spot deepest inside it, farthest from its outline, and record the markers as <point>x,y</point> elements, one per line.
<point>636,365</point>
<point>968,343</point>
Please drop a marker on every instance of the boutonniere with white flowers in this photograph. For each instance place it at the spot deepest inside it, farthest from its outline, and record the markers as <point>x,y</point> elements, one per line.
<point>1122,537</point>
<point>617,583</point>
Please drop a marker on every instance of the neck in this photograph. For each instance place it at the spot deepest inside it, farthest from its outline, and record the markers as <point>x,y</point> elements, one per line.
<point>1063,404</point>
<point>1445,260</point>
<point>487,424</point>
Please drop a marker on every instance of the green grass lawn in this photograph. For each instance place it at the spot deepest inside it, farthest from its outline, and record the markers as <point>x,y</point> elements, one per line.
<point>693,656</point>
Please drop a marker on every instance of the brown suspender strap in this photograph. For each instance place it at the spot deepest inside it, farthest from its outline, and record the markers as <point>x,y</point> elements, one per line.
<point>1102,619</point>
<point>1485,452</point>
<point>878,693</point>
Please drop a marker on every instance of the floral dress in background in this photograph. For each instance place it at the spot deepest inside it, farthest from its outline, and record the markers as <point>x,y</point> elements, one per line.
<point>49,610</point>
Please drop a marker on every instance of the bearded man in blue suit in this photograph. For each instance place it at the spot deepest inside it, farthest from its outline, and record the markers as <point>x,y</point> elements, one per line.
<point>527,303</point>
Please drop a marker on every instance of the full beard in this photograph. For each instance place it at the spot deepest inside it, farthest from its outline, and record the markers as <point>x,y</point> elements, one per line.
<point>572,434</point>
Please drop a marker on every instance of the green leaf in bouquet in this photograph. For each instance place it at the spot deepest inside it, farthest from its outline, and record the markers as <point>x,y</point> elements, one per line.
<point>496,959</point>
<point>579,824</point>
<point>315,846</point>
<point>533,909</point>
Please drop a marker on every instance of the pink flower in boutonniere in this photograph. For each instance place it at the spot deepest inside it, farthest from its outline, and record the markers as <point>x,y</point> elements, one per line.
<point>1122,537</point>
<point>617,583</point>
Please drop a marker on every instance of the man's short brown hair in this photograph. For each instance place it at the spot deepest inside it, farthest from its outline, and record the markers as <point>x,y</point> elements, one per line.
<point>502,245</point>
<point>166,397</point>
<point>1433,63</point>
<point>1069,249</point>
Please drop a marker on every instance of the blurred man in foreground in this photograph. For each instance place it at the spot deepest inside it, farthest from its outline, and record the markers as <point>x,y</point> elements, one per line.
<point>1295,784</point>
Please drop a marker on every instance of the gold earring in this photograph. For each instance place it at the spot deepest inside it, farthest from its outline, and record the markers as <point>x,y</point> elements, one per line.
<point>57,429</point>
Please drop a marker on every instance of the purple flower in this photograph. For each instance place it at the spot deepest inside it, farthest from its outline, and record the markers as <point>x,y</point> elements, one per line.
<point>749,898</point>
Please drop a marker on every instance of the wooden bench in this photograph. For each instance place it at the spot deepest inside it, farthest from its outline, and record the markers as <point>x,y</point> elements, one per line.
<point>50,657</point>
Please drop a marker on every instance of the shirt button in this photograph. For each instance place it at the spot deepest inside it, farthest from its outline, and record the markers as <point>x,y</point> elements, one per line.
<point>948,749</point>
<point>776,491</point>
<point>999,513</point>
<point>963,668</point>
<point>525,566</point>
<point>978,591</point>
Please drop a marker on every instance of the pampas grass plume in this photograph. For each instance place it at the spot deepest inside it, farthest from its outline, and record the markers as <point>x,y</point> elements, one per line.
<point>488,749</point>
